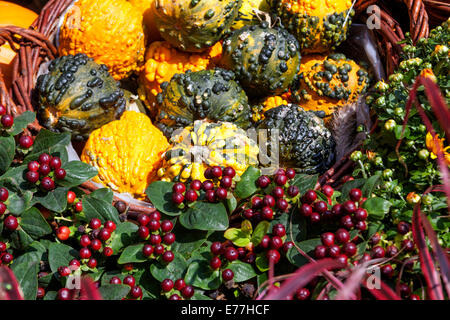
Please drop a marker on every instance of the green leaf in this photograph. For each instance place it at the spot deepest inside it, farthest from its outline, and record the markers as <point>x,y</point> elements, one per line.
<point>357,183</point>
<point>199,296</point>
<point>242,271</point>
<point>132,253</point>
<point>305,182</point>
<point>21,122</point>
<point>26,268</point>
<point>201,275</point>
<point>20,240</point>
<point>77,172</point>
<point>174,270</point>
<point>398,131</point>
<point>231,204</point>
<point>308,246</point>
<point>48,142</point>
<point>187,241</point>
<point>55,200</point>
<point>7,151</point>
<point>114,291</point>
<point>160,194</point>
<point>100,209</point>
<point>19,201</point>
<point>205,216</point>
<point>124,235</point>
<point>104,194</point>
<point>237,236</point>
<point>35,224</point>
<point>370,185</point>
<point>377,208</point>
<point>261,262</point>
<point>247,185</point>
<point>60,255</point>
<point>260,231</point>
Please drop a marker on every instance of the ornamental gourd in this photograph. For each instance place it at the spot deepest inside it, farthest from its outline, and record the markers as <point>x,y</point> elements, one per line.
<point>304,142</point>
<point>78,95</point>
<point>109,31</point>
<point>248,13</point>
<point>267,104</point>
<point>163,61</point>
<point>145,8</point>
<point>127,153</point>
<point>206,144</point>
<point>208,94</point>
<point>319,25</point>
<point>326,83</point>
<point>266,60</point>
<point>194,25</point>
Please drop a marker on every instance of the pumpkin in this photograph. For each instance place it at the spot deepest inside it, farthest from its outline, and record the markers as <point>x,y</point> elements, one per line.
<point>12,14</point>
<point>208,94</point>
<point>319,25</point>
<point>247,14</point>
<point>259,109</point>
<point>163,61</point>
<point>78,95</point>
<point>194,25</point>
<point>127,153</point>
<point>327,83</point>
<point>109,31</point>
<point>206,144</point>
<point>266,60</point>
<point>304,142</point>
<point>145,8</point>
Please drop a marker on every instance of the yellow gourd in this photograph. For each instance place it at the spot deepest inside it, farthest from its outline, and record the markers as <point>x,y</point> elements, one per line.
<point>269,103</point>
<point>109,31</point>
<point>145,8</point>
<point>127,153</point>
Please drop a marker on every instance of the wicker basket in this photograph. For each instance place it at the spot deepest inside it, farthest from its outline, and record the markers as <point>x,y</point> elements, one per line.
<point>33,47</point>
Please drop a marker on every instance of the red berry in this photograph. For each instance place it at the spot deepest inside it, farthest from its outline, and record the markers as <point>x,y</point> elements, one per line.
<point>349,206</point>
<point>216,172</point>
<point>2,208</point>
<point>71,197</point>
<point>408,245</point>
<point>342,236</point>
<point>2,246</point>
<point>95,223</point>
<point>215,263</point>
<point>44,170</point>
<point>196,185</point>
<point>320,207</point>
<point>6,258</point>
<point>320,252</point>
<point>306,210</point>
<point>327,191</point>
<point>155,239</point>
<point>309,197</point>
<point>226,182</point>
<point>143,232</point>
<point>129,280</point>
<point>169,238</point>
<point>11,223</point>
<point>187,292</point>
<point>107,251</point>
<point>85,253</point>
<point>155,216</point>
<point>168,256</point>
<point>293,191</point>
<point>33,166</point>
<point>40,293</point>
<point>216,248</point>
<point>74,263</point>
<point>278,192</point>
<point>177,198</point>
<point>210,196</point>
<point>257,203</point>
<point>207,185</point>
<point>136,292</point>
<point>343,259</point>
<point>60,173</point>
<point>355,194</point>
<point>276,243</point>
<point>64,294</point>
<point>104,234</point>
<point>314,217</point>
<point>147,250</point>
<point>115,280</point>
<point>403,227</point>
<point>110,225</point>
<point>153,225</point>
<point>96,244</point>
<point>7,121</point>
<point>47,183</point>
<point>175,297</point>
<point>361,225</point>
<point>266,213</point>
<point>414,297</point>
<point>378,252</point>
<point>349,249</point>
<point>191,195</point>
<point>302,294</point>
<point>64,271</point>
<point>221,193</point>
<point>375,239</point>
<point>327,239</point>
<point>391,251</point>
<point>166,226</point>
<point>4,194</point>
<point>265,242</point>
<point>143,219</point>
<point>333,251</point>
<point>248,213</point>
<point>158,249</point>
<point>92,263</point>
<point>44,159</point>
<point>404,289</point>
<point>63,233</point>
<point>263,182</point>
<point>360,214</point>
<point>229,172</point>
<point>55,163</point>
<point>337,210</point>
<point>290,173</point>
<point>167,285</point>
<point>178,188</point>
<point>85,241</point>
<point>287,245</point>
<point>347,222</point>
<point>231,254</point>
<point>227,275</point>
<point>273,255</point>
<point>387,271</point>
<point>280,179</point>
<point>279,230</point>
<point>2,110</point>
<point>179,284</point>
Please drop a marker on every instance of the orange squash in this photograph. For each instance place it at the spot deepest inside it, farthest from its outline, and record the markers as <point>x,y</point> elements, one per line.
<point>12,14</point>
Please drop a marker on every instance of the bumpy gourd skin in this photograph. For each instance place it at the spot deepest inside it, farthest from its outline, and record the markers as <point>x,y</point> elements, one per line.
<point>305,143</point>
<point>109,31</point>
<point>317,24</point>
<point>207,94</point>
<point>194,25</point>
<point>266,60</point>
<point>267,104</point>
<point>127,153</point>
<point>78,95</point>
<point>247,16</point>
<point>206,144</point>
<point>162,62</point>
<point>327,83</point>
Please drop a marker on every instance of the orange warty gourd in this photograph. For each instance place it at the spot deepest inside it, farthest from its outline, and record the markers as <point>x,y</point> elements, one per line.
<point>15,15</point>
<point>144,7</point>
<point>127,153</point>
<point>164,61</point>
<point>109,31</point>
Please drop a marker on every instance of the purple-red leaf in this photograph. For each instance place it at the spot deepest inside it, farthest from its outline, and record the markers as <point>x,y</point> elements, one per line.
<point>383,293</point>
<point>88,290</point>
<point>9,287</point>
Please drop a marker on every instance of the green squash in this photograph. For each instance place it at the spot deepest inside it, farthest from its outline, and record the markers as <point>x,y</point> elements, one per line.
<point>194,25</point>
<point>78,95</point>
<point>207,94</point>
<point>266,60</point>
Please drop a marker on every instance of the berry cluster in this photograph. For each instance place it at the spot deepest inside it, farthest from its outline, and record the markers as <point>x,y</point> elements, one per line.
<point>276,195</point>
<point>6,120</point>
<point>10,222</point>
<point>46,168</point>
<point>272,245</point>
<point>177,290</point>
<point>158,234</point>
<point>129,280</point>
<point>5,257</point>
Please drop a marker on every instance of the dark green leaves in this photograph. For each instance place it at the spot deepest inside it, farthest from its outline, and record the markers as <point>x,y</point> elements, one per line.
<point>377,208</point>
<point>305,182</point>
<point>370,185</point>
<point>132,253</point>
<point>308,246</point>
<point>247,185</point>
<point>77,172</point>
<point>25,268</point>
<point>100,209</point>
<point>114,291</point>
<point>124,235</point>
<point>49,142</point>
<point>205,216</point>
<point>160,194</point>
<point>21,122</point>
<point>260,231</point>
<point>60,255</point>
<point>187,241</point>
<point>34,224</point>
<point>55,200</point>
<point>201,275</point>
<point>242,271</point>
<point>7,151</point>
<point>174,270</point>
